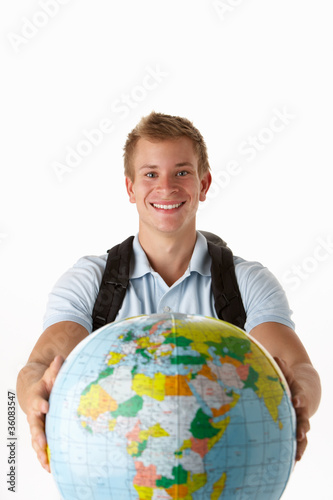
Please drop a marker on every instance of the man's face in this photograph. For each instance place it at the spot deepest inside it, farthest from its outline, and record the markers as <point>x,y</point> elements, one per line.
<point>166,186</point>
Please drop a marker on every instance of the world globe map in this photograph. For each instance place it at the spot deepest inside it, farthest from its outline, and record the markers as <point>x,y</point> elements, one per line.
<point>170,406</point>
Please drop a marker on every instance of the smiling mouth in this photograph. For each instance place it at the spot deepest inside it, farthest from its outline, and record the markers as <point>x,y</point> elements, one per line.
<point>168,207</point>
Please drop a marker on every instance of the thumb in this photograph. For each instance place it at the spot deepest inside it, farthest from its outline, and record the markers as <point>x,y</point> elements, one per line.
<point>52,371</point>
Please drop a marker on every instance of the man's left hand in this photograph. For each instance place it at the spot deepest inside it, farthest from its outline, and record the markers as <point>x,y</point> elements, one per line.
<point>300,403</point>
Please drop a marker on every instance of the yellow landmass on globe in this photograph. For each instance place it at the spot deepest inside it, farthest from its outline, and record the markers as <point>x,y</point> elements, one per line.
<point>196,482</point>
<point>268,383</point>
<point>218,487</point>
<point>112,424</point>
<point>114,358</point>
<point>95,402</point>
<point>48,453</point>
<point>187,444</point>
<point>143,342</point>
<point>155,431</point>
<point>195,333</point>
<point>144,492</point>
<point>222,425</point>
<point>132,448</point>
<point>153,387</point>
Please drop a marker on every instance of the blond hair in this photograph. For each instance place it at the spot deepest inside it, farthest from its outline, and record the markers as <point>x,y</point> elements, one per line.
<point>159,127</point>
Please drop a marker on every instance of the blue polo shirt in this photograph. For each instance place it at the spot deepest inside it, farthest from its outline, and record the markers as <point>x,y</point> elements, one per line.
<point>74,295</point>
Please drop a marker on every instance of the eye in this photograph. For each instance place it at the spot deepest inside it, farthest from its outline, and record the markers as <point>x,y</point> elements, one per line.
<point>182,173</point>
<point>151,175</point>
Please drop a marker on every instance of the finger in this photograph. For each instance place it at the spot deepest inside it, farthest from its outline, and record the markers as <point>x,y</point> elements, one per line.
<point>285,369</point>
<point>38,439</point>
<point>279,361</point>
<point>43,459</point>
<point>303,427</point>
<point>57,363</point>
<point>52,371</point>
<point>299,399</point>
<point>38,442</point>
<point>36,420</point>
<point>37,430</point>
<point>38,406</point>
<point>39,445</point>
<point>301,446</point>
<point>297,393</point>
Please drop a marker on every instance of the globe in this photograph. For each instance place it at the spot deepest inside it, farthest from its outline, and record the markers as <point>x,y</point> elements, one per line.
<point>170,406</point>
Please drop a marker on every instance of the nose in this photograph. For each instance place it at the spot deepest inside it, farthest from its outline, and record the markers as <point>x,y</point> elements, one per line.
<point>167,184</point>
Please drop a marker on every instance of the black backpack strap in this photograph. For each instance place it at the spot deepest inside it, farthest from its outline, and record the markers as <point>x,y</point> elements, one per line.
<point>228,301</point>
<point>114,284</point>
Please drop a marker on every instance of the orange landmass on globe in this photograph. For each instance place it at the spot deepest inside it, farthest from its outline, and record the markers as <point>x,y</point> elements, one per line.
<point>231,361</point>
<point>177,491</point>
<point>200,446</point>
<point>218,412</point>
<point>145,476</point>
<point>207,372</point>
<point>243,371</point>
<point>134,434</point>
<point>177,385</point>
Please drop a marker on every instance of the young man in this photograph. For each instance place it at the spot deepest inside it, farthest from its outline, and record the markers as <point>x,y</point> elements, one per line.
<point>167,173</point>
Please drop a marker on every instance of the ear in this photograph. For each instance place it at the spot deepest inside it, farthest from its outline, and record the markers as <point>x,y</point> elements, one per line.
<point>130,190</point>
<point>205,183</point>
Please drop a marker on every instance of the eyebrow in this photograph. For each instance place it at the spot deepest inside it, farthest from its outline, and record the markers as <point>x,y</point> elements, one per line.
<point>177,165</point>
<point>184,164</point>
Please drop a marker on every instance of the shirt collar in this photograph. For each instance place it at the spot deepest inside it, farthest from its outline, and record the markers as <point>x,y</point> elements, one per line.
<point>200,261</point>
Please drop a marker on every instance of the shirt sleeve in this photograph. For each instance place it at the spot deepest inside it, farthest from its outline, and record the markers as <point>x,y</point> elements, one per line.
<point>74,294</point>
<point>263,296</point>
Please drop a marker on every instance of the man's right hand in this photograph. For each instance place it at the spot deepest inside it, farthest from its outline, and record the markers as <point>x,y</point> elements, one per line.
<point>38,406</point>
<point>36,379</point>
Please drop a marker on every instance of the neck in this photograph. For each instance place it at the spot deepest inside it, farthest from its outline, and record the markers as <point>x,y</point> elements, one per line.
<point>169,255</point>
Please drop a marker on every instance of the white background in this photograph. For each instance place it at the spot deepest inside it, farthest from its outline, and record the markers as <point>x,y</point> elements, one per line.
<point>227,71</point>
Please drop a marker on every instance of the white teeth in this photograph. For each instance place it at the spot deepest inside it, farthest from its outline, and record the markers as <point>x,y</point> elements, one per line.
<point>167,207</point>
